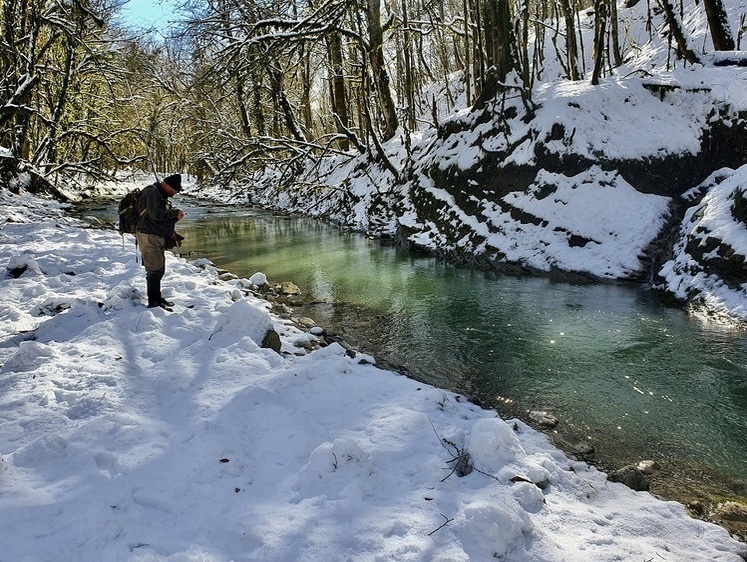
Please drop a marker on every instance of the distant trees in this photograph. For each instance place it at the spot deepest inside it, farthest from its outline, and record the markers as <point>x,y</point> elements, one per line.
<point>53,80</point>
<point>248,82</point>
<point>79,97</point>
<point>336,75</point>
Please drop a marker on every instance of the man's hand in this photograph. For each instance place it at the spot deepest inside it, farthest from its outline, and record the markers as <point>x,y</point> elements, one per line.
<point>179,215</point>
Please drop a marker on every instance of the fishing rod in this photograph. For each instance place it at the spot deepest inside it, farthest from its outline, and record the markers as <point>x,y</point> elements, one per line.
<point>152,163</point>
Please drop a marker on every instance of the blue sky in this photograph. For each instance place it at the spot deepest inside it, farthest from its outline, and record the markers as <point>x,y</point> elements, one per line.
<point>146,13</point>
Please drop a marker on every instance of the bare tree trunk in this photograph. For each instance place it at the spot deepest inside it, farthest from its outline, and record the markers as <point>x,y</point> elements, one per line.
<point>339,99</point>
<point>409,88</point>
<point>286,109</point>
<point>479,66</point>
<point>306,81</point>
<point>523,46</point>
<point>675,27</point>
<point>718,23</point>
<point>500,57</point>
<point>241,103</point>
<point>259,114</point>
<point>467,54</point>
<point>538,57</point>
<point>378,70</point>
<point>54,126</point>
<point>570,40</point>
<point>615,34</point>
<point>600,30</point>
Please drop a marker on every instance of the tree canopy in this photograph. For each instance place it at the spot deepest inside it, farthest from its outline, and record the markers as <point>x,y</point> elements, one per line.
<point>240,83</point>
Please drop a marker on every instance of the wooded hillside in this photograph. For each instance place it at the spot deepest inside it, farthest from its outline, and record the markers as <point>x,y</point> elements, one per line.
<point>238,83</point>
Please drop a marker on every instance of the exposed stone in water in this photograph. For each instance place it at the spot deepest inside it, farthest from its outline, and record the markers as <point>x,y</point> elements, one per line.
<point>731,511</point>
<point>543,419</point>
<point>635,476</point>
<point>696,507</point>
<point>289,288</point>
<point>575,448</point>
<point>282,310</point>
<point>648,467</point>
<point>305,322</point>
<point>289,293</point>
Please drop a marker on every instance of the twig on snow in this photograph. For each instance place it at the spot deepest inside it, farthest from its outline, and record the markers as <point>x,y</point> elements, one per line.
<point>442,525</point>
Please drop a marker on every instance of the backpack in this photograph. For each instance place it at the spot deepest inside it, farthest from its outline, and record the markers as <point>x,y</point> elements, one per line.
<point>128,213</point>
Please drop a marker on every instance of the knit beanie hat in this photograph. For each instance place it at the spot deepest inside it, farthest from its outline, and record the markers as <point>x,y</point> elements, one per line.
<point>174,181</point>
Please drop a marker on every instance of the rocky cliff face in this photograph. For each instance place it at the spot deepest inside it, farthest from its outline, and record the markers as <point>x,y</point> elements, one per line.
<point>463,214</point>
<point>707,266</point>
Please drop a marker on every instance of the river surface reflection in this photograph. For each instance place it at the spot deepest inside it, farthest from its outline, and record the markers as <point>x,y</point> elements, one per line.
<point>639,380</point>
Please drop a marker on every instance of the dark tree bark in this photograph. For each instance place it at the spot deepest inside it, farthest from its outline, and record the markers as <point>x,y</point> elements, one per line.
<point>467,53</point>
<point>571,44</point>
<point>675,28</point>
<point>257,111</point>
<point>289,117</point>
<point>62,99</point>
<point>615,34</point>
<point>499,48</point>
<point>600,32</point>
<point>308,117</point>
<point>499,40</point>
<point>378,70</point>
<point>408,87</point>
<point>339,99</point>
<point>241,104</point>
<point>718,23</point>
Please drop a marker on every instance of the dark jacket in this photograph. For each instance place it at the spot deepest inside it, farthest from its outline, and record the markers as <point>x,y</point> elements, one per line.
<point>159,217</point>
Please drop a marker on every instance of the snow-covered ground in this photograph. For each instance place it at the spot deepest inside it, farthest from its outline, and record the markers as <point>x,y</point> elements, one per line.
<point>136,434</point>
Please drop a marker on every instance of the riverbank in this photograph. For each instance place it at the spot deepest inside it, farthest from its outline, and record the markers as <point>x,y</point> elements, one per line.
<point>707,493</point>
<point>639,384</point>
<point>131,434</point>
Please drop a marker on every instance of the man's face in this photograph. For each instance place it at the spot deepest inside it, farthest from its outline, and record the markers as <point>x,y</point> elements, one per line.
<point>168,190</point>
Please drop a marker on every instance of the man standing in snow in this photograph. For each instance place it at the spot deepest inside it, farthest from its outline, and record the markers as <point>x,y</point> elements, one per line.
<point>155,232</point>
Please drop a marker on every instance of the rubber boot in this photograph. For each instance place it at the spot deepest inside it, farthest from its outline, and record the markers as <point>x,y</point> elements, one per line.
<point>154,290</point>
<point>156,299</point>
